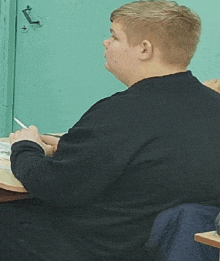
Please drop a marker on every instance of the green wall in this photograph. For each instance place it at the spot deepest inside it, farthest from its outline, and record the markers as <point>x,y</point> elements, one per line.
<point>51,74</point>
<point>206,62</point>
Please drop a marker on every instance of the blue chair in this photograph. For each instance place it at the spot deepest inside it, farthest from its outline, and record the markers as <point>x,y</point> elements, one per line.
<point>174,229</point>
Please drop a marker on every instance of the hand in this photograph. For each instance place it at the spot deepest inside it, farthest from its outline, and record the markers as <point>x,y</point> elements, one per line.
<point>50,140</point>
<point>213,84</point>
<point>31,134</point>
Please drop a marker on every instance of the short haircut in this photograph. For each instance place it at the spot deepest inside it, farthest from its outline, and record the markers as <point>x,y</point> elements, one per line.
<point>175,30</point>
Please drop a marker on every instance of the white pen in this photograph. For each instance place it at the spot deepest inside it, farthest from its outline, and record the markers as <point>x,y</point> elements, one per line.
<point>21,124</point>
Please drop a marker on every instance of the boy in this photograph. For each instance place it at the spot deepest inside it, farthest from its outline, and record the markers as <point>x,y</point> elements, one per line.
<point>131,156</point>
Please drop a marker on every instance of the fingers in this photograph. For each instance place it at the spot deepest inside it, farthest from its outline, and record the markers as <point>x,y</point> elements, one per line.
<point>50,140</point>
<point>48,149</point>
<point>30,133</point>
<point>48,143</point>
<point>11,136</point>
<point>33,127</point>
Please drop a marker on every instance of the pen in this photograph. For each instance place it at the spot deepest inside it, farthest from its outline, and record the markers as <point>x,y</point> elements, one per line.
<point>21,124</point>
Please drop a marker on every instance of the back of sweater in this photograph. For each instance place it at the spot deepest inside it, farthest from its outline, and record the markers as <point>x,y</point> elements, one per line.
<point>130,156</point>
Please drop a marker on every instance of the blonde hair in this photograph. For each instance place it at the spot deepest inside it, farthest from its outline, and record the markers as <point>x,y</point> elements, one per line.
<point>175,30</point>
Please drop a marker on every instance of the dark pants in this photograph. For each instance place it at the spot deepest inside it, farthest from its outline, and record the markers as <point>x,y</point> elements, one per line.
<point>174,229</point>
<point>27,233</point>
<point>171,238</point>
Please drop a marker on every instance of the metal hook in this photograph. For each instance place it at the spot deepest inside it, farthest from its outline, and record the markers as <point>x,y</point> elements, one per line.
<point>28,17</point>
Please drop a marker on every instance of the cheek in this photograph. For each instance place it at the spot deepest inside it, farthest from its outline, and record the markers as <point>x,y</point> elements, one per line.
<point>117,56</point>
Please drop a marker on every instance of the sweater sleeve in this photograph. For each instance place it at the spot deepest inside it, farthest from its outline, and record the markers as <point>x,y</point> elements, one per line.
<point>81,168</point>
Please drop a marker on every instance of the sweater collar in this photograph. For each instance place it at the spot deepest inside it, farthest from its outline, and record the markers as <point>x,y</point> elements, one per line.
<point>182,76</point>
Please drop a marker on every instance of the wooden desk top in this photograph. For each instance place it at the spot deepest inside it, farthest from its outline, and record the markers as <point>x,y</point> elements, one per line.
<point>6,195</point>
<point>208,238</point>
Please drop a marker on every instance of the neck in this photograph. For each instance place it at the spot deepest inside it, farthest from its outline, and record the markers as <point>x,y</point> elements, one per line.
<point>158,70</point>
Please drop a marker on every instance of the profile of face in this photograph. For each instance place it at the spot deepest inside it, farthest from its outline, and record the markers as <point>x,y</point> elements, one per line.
<point>131,64</point>
<point>120,57</point>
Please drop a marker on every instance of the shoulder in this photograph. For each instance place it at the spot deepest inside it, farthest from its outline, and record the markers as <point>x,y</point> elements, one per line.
<point>107,108</point>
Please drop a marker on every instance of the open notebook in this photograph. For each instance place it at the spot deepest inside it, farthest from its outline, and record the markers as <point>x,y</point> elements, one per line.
<point>7,179</point>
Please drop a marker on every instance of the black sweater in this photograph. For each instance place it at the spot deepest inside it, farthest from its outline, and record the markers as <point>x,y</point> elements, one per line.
<point>153,146</point>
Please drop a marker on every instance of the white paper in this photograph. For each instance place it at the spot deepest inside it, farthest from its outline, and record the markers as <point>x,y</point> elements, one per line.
<point>5,150</point>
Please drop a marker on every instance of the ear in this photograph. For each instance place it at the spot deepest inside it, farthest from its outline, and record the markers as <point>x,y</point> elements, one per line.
<point>145,50</point>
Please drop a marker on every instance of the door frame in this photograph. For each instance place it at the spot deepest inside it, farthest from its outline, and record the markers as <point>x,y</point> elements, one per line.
<point>8,20</point>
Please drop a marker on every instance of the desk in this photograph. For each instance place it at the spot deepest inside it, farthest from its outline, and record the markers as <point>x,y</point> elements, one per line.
<point>6,195</point>
<point>210,238</point>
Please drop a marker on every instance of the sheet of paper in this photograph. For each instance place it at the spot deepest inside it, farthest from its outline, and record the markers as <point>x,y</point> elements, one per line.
<point>7,179</point>
<point>5,150</point>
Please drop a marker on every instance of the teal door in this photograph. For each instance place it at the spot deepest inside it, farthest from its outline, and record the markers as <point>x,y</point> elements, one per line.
<point>59,61</point>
